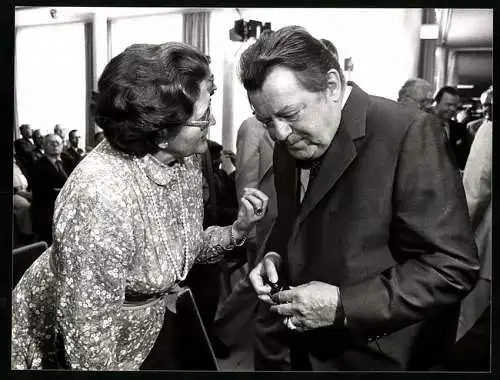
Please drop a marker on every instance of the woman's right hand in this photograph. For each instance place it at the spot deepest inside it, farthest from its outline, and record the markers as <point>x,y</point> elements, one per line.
<point>265,272</point>
<point>253,208</point>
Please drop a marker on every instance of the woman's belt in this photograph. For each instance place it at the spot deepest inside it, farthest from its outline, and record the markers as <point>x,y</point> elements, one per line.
<point>139,298</point>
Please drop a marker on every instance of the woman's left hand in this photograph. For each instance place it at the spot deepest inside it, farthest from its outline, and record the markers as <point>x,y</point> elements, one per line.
<point>253,208</point>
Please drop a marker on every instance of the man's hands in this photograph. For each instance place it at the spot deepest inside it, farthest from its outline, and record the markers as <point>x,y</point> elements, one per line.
<point>264,272</point>
<point>309,306</point>
<point>305,307</point>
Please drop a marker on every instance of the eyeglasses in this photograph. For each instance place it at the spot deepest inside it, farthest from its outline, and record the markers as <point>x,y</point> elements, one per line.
<point>204,122</point>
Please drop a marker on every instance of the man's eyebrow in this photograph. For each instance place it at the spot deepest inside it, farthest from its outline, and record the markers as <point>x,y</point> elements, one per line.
<point>290,108</point>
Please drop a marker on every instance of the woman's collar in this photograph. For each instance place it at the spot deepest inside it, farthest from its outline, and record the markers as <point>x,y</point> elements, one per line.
<point>159,172</point>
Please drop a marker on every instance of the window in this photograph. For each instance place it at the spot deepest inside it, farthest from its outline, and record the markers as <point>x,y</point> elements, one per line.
<point>50,77</point>
<point>155,29</point>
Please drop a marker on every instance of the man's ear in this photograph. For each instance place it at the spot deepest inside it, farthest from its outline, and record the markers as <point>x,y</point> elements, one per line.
<point>334,85</point>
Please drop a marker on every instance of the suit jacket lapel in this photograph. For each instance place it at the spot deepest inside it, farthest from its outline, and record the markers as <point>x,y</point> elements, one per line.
<point>340,154</point>
<point>266,147</point>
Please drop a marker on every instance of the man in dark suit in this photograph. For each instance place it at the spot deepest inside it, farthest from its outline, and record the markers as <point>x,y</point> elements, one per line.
<point>38,151</point>
<point>372,250</point>
<point>445,108</point>
<point>24,147</point>
<point>49,177</point>
<point>72,155</point>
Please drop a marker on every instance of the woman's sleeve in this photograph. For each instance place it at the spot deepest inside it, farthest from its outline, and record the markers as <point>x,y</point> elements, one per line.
<point>94,237</point>
<point>216,241</point>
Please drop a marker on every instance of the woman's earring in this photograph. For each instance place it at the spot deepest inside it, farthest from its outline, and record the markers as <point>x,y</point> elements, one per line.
<point>163,145</point>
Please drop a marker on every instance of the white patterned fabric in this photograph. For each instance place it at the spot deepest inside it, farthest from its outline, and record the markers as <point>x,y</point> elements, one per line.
<point>121,225</point>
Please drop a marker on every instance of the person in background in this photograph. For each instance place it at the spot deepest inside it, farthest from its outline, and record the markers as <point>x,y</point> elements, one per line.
<point>372,245</point>
<point>229,163</point>
<point>472,351</point>
<point>487,111</point>
<point>61,132</point>
<point>72,155</point>
<point>49,177</point>
<point>98,137</point>
<point>254,161</point>
<point>445,108</point>
<point>38,151</point>
<point>128,223</point>
<point>416,92</point>
<point>24,147</point>
<point>21,203</point>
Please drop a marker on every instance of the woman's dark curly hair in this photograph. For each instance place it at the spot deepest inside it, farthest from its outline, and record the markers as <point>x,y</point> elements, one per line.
<point>146,91</point>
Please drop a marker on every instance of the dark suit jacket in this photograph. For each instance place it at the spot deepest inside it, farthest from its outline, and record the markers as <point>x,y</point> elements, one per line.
<point>71,158</point>
<point>47,183</point>
<point>385,221</point>
<point>460,142</point>
<point>25,156</point>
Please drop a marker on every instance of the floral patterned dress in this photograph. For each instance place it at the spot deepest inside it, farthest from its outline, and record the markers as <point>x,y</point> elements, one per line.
<point>122,225</point>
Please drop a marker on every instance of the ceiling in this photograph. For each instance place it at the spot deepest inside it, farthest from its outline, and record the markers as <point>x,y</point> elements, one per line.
<point>470,28</point>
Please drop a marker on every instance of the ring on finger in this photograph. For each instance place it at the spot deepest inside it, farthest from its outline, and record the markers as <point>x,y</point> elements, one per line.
<point>259,211</point>
<point>290,324</point>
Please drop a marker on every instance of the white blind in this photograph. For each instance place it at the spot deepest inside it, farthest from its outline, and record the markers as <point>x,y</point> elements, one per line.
<point>50,77</point>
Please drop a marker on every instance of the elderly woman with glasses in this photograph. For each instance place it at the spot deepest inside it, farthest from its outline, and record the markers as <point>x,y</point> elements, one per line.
<point>127,225</point>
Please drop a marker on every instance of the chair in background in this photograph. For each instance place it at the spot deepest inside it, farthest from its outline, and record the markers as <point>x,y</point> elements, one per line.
<point>23,257</point>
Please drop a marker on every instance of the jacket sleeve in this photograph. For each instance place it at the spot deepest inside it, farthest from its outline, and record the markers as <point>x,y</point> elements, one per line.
<point>430,235</point>
<point>92,260</point>
<point>247,157</point>
<point>477,174</point>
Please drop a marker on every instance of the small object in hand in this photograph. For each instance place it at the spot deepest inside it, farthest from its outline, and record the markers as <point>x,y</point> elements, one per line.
<point>259,211</point>
<point>288,323</point>
<point>275,287</point>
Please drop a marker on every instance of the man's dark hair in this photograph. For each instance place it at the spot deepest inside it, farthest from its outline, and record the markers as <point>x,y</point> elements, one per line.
<point>145,91</point>
<point>330,46</point>
<point>71,133</point>
<point>292,47</point>
<point>446,89</point>
<point>23,127</point>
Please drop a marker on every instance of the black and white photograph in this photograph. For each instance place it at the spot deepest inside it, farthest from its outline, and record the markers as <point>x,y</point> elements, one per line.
<point>251,189</point>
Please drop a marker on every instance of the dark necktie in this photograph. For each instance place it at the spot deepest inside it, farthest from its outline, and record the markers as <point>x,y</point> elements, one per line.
<point>60,168</point>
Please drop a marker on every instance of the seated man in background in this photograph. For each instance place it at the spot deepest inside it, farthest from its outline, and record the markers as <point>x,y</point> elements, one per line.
<point>38,151</point>
<point>416,92</point>
<point>73,154</point>
<point>372,249</point>
<point>49,177</point>
<point>24,147</point>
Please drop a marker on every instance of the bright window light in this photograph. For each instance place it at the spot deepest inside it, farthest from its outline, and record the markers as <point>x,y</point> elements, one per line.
<point>50,77</point>
<point>155,29</point>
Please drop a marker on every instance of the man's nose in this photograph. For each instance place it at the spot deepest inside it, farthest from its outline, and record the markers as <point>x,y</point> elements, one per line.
<point>281,129</point>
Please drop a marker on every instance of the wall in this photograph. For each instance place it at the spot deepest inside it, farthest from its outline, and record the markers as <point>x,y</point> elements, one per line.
<point>383,43</point>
